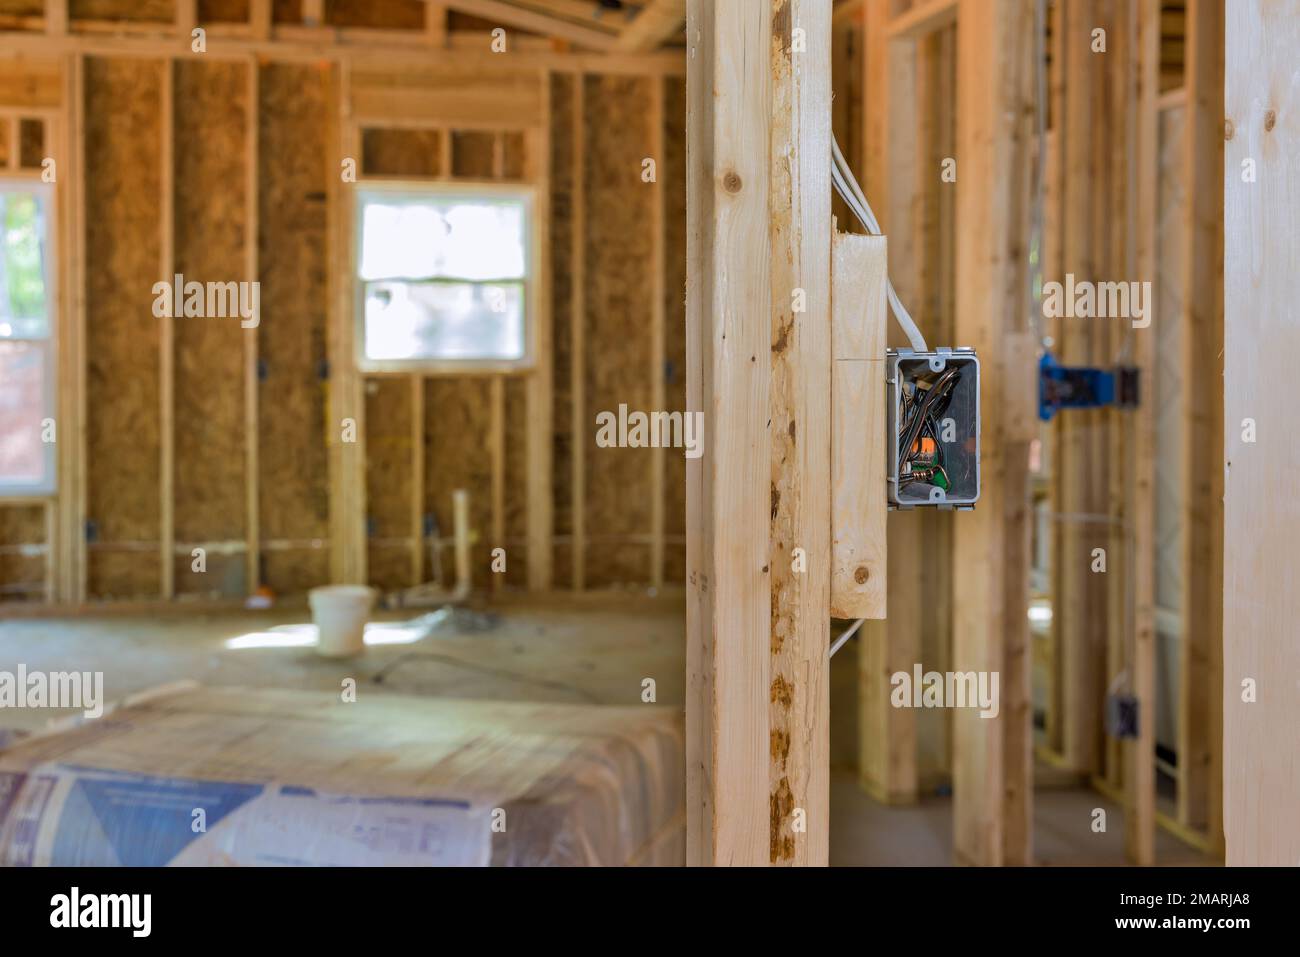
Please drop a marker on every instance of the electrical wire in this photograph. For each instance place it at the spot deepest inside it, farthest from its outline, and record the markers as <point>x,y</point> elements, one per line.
<point>847,186</point>
<point>848,633</point>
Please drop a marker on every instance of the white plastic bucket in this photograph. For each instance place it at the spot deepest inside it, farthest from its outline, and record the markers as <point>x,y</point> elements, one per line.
<point>340,613</point>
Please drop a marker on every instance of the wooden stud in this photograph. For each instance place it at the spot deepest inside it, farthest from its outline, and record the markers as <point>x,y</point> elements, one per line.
<point>497,412</point>
<point>509,15</point>
<point>1079,593</point>
<point>260,18</point>
<point>56,17</point>
<point>991,807</point>
<point>924,16</point>
<point>499,155</point>
<point>446,159</point>
<point>63,544</point>
<point>656,23</point>
<point>540,381</point>
<point>166,347</point>
<point>348,546</point>
<point>313,13</point>
<point>728,487</point>
<point>77,283</point>
<point>887,767</point>
<point>417,479</point>
<point>50,518</point>
<point>497,456</point>
<point>1261,603</point>
<point>1139,752</point>
<point>577,320</point>
<point>1200,709</point>
<point>801,231</point>
<point>251,268</point>
<point>187,18</point>
<point>435,24</point>
<point>758,230</point>
<point>657,322</point>
<point>1119,106</point>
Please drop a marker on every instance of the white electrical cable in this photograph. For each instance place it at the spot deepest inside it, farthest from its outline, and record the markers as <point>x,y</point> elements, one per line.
<point>847,186</point>
<point>839,642</point>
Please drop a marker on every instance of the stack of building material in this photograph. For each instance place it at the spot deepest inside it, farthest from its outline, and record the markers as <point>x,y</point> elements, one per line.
<point>237,776</point>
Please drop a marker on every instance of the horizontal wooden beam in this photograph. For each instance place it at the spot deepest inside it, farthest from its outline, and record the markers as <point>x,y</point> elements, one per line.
<point>509,15</point>
<point>925,17</point>
<point>504,106</point>
<point>359,47</point>
<point>656,22</point>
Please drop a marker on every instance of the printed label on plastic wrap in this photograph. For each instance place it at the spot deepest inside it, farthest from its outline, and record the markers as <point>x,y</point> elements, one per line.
<point>67,815</point>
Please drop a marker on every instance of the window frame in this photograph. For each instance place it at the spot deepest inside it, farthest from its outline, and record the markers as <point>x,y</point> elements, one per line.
<point>414,190</point>
<point>49,487</point>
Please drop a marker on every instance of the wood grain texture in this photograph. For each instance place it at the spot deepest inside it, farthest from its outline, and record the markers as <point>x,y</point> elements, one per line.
<point>887,736</point>
<point>728,504</point>
<point>1261,773</point>
<point>1200,676</point>
<point>1139,753</point>
<point>990,808</point>
<point>800,233</point>
<point>858,500</point>
<point>1080,594</point>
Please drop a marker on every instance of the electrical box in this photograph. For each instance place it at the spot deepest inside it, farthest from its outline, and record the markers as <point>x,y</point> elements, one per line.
<point>933,428</point>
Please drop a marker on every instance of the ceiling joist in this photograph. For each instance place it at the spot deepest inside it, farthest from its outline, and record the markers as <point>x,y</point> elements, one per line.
<point>510,15</point>
<point>656,23</point>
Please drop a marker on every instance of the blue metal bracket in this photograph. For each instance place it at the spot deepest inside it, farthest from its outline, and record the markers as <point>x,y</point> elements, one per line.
<point>1083,387</point>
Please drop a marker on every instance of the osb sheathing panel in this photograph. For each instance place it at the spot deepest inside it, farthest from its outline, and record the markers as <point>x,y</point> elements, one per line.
<point>672,180</point>
<point>390,14</point>
<point>163,11</point>
<point>123,149</point>
<point>389,455</point>
<point>294,158</point>
<point>389,152</point>
<point>516,479</point>
<point>223,11</point>
<point>472,154</point>
<point>211,106</point>
<point>561,240</point>
<point>456,455</point>
<point>617,319</point>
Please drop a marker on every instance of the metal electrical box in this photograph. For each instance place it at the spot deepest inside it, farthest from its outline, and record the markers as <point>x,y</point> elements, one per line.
<point>933,428</point>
